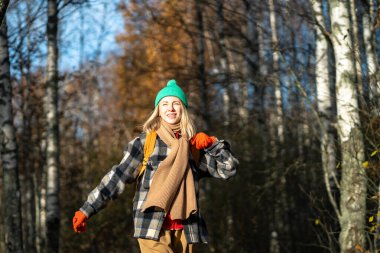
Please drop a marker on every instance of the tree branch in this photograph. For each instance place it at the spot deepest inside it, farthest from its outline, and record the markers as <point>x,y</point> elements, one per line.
<point>3,9</point>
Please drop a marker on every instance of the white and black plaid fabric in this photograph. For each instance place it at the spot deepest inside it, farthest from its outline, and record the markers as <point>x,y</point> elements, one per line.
<point>217,161</point>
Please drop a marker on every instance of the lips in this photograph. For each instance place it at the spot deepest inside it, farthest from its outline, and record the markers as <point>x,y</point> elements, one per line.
<point>172,115</point>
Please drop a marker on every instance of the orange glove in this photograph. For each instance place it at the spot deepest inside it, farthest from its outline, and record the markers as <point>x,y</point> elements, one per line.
<point>79,222</point>
<point>202,140</point>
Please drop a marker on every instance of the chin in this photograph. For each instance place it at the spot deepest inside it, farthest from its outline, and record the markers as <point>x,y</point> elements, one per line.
<point>172,121</point>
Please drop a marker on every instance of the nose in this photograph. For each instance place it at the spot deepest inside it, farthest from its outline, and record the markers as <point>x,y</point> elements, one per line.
<point>171,107</point>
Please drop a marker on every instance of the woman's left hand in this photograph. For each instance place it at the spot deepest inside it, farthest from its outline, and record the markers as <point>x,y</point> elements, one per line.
<point>202,140</point>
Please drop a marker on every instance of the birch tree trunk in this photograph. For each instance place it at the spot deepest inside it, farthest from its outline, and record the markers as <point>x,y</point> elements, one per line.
<point>356,49</point>
<point>8,148</point>
<point>201,65</point>
<point>277,93</point>
<point>259,96</point>
<point>374,83</point>
<point>52,141</point>
<point>250,60</point>
<point>281,228</point>
<point>224,65</point>
<point>353,186</point>
<point>2,245</point>
<point>325,107</point>
<point>372,62</point>
<point>227,101</point>
<point>41,203</point>
<point>250,56</point>
<point>250,69</point>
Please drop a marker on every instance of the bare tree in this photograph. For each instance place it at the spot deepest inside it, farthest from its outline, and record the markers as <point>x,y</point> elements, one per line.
<point>370,50</point>
<point>52,138</point>
<point>280,228</point>
<point>260,87</point>
<point>8,148</point>
<point>2,245</point>
<point>325,105</point>
<point>28,187</point>
<point>353,185</point>
<point>201,64</point>
<point>356,49</point>
<point>224,64</point>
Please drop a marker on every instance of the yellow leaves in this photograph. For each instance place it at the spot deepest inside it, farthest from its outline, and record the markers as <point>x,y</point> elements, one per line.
<point>375,151</point>
<point>316,222</point>
<point>373,223</point>
<point>155,48</point>
<point>365,164</point>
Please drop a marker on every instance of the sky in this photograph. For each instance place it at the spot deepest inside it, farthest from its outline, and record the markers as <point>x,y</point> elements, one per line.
<point>96,26</point>
<point>85,31</point>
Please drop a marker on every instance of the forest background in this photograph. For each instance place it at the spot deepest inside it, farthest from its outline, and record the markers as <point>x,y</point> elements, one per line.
<point>294,86</point>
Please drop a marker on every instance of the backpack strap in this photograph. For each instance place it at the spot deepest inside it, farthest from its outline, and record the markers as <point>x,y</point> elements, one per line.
<point>150,142</point>
<point>196,154</point>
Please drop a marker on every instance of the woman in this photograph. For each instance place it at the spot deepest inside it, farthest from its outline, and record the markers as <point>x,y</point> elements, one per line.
<point>165,206</point>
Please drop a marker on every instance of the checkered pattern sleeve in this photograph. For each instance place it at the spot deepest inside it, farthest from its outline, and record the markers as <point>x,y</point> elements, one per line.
<point>218,161</point>
<point>114,181</point>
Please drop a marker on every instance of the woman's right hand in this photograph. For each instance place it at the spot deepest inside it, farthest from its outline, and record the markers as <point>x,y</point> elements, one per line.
<point>79,222</point>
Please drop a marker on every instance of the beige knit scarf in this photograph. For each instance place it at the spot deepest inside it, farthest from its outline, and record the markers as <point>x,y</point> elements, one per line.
<point>172,187</point>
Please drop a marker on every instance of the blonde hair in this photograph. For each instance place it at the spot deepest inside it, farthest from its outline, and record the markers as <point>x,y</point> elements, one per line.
<point>186,123</point>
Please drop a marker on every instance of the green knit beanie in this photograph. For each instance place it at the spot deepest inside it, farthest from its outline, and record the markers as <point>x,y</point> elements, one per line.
<point>171,89</point>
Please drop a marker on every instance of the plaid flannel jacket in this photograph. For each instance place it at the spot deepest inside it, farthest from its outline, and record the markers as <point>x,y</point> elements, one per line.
<point>216,161</point>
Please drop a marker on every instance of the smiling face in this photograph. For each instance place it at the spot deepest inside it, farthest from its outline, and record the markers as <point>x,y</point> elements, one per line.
<point>170,109</point>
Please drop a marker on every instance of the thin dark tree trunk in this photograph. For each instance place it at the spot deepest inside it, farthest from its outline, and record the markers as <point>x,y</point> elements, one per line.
<point>28,197</point>
<point>260,90</point>
<point>9,161</point>
<point>3,9</point>
<point>2,246</point>
<point>201,65</point>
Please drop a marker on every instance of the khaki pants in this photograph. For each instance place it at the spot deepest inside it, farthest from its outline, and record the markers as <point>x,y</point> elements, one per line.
<point>170,241</point>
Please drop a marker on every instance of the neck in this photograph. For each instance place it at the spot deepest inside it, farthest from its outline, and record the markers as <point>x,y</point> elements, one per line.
<point>174,127</point>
